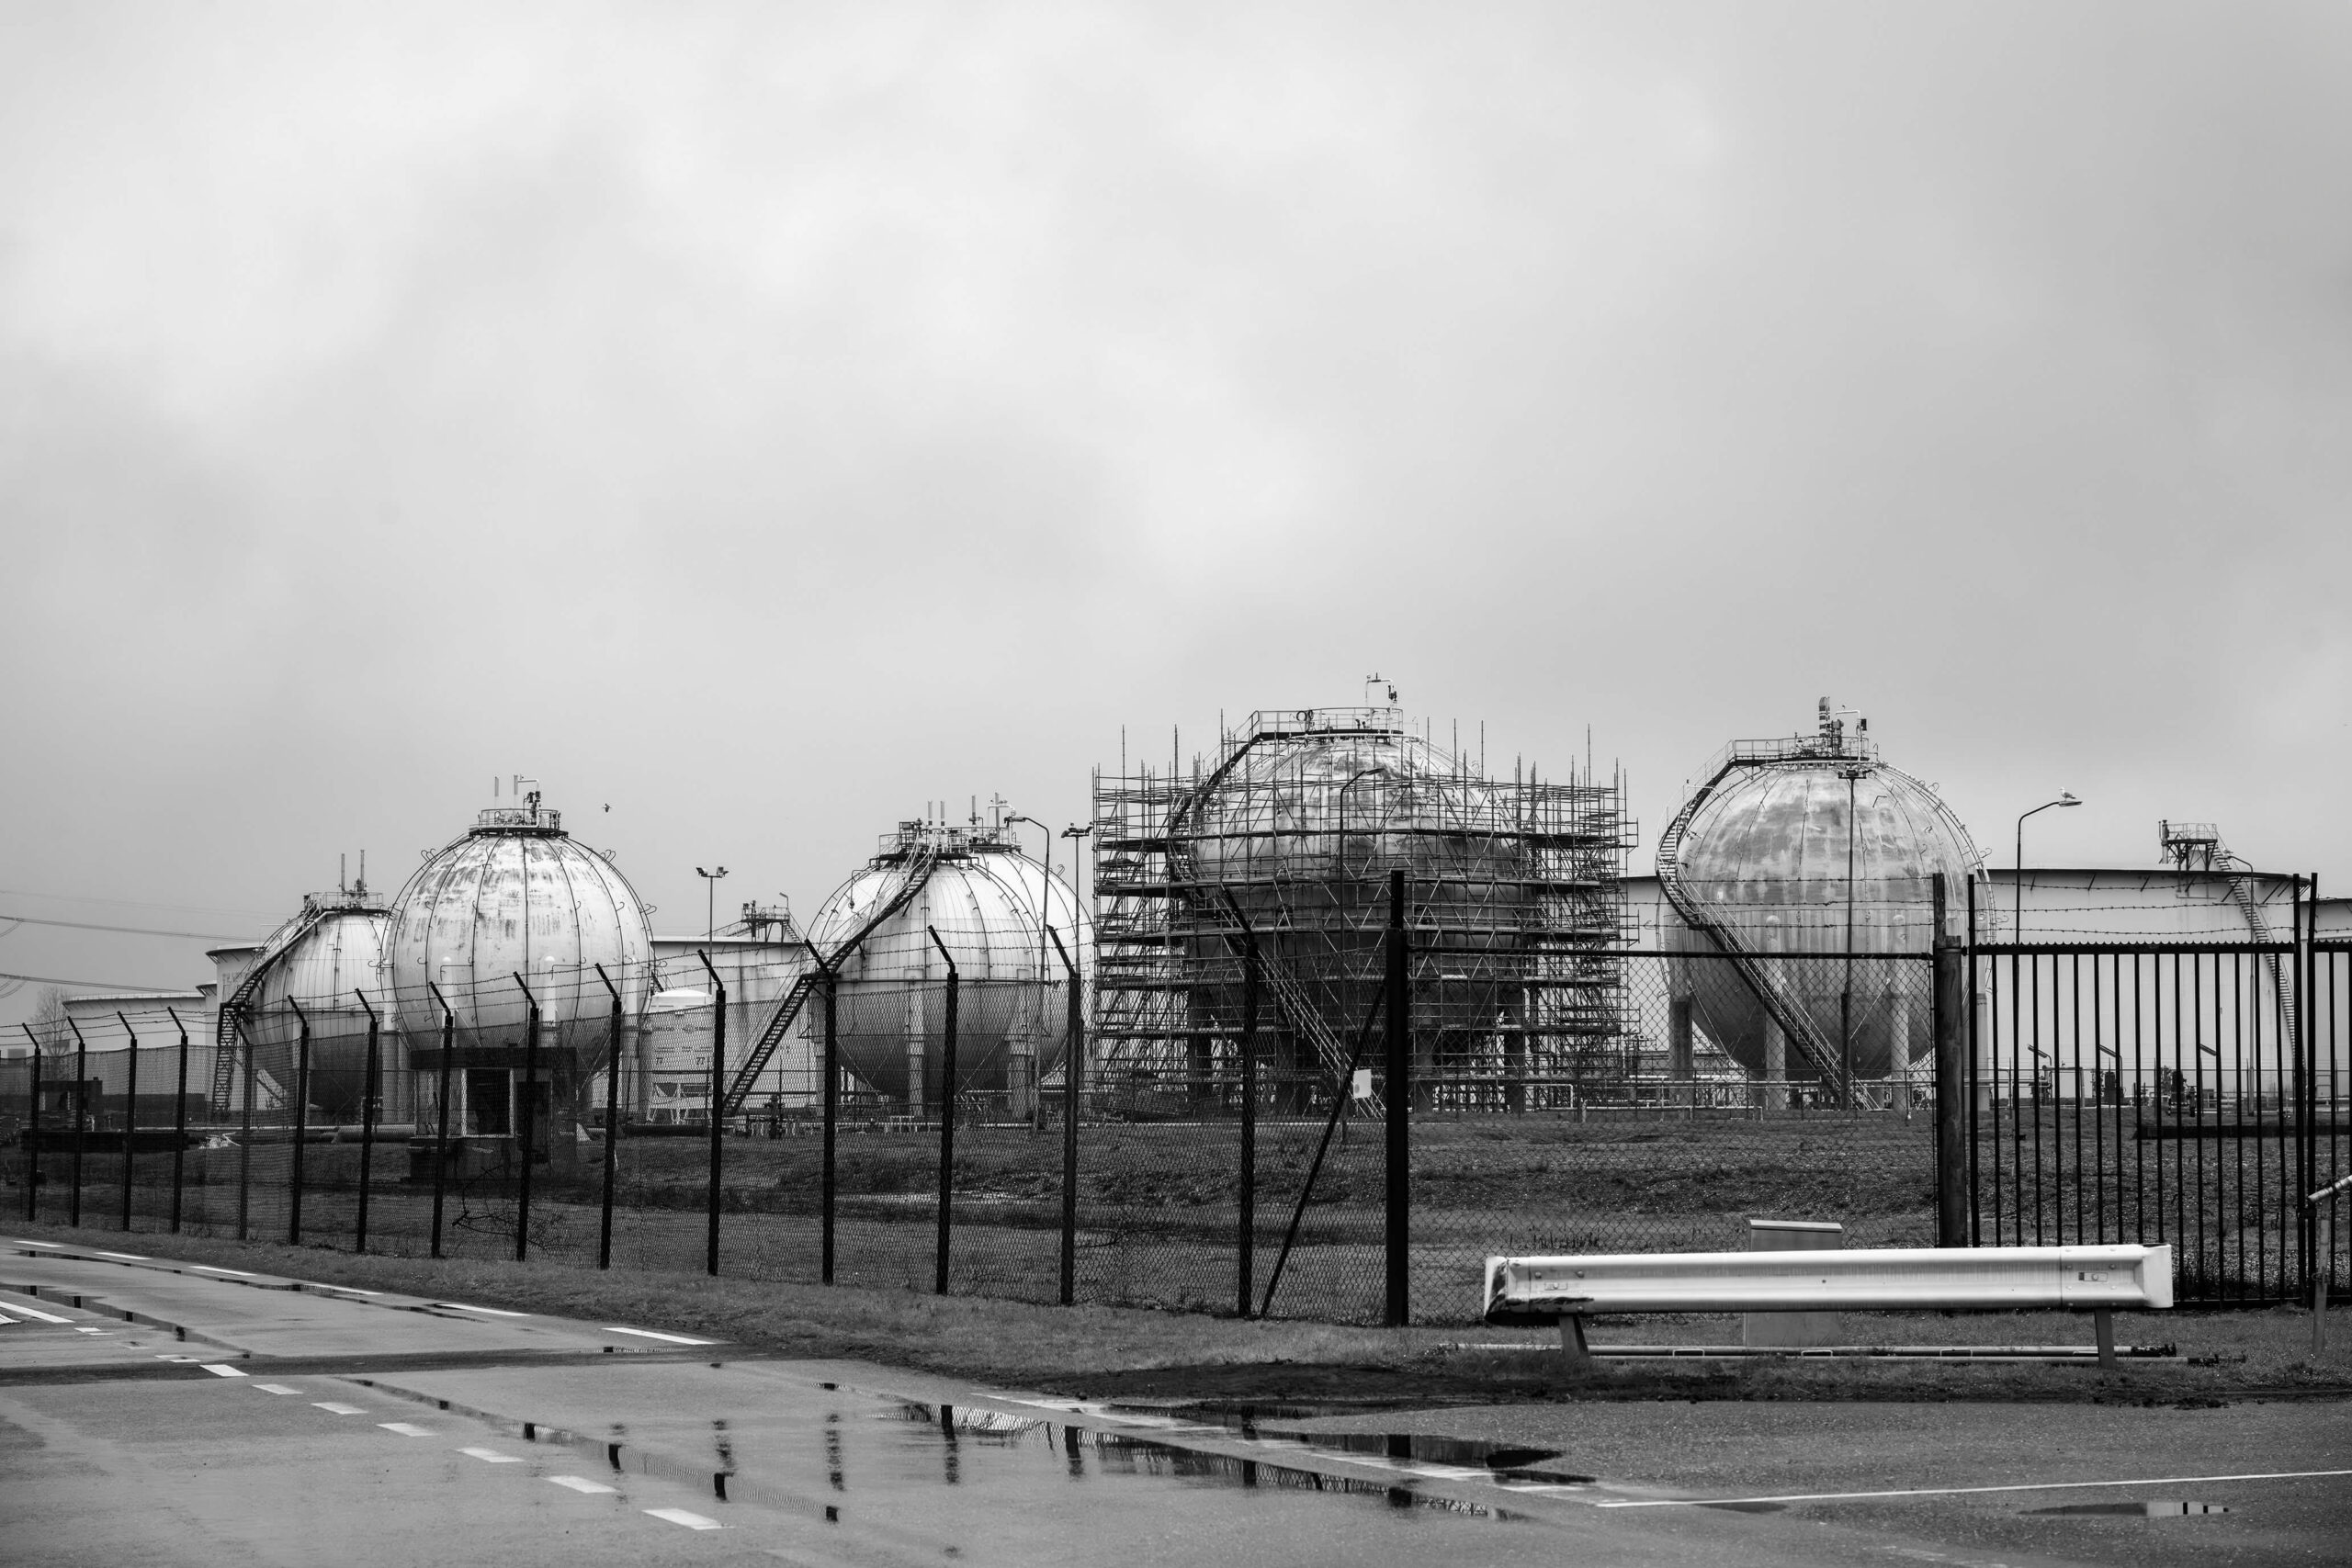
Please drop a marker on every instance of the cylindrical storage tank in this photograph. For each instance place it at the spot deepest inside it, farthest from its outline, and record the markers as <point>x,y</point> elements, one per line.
<point>677,1054</point>
<point>517,897</point>
<point>1766,858</point>
<point>332,971</point>
<point>985,898</point>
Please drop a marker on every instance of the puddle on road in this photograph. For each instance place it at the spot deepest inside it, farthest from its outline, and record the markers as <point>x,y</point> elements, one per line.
<point>1093,1452</point>
<point>1504,1460</point>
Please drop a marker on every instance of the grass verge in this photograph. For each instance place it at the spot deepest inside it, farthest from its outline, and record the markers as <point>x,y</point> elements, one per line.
<point>1097,1352</point>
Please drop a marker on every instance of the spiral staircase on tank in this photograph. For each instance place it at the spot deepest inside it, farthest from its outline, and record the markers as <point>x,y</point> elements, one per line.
<point>919,865</point>
<point>229,1026</point>
<point>2196,846</point>
<point>1761,977</point>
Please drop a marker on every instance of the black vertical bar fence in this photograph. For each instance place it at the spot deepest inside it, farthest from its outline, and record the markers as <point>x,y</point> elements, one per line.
<point>81,1120</point>
<point>130,1118</point>
<point>33,1149</point>
<point>718,1107</point>
<point>946,1123</point>
<point>1073,1075</point>
<point>301,1129</point>
<point>612,1122</point>
<point>526,1121</point>
<point>441,1108</point>
<point>234,1018</point>
<point>1397,1095</point>
<point>370,1083</point>
<point>179,1122</point>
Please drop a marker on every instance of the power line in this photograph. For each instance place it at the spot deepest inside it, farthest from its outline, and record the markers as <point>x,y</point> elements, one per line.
<point>94,985</point>
<point>129,930</point>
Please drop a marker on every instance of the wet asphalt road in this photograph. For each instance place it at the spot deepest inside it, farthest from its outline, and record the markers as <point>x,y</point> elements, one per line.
<point>229,1419</point>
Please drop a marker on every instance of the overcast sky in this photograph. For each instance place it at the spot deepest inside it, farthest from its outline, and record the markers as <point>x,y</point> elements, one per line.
<point>764,419</point>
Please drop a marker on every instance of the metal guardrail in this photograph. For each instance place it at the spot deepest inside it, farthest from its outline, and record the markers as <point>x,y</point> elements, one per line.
<point>1952,1278</point>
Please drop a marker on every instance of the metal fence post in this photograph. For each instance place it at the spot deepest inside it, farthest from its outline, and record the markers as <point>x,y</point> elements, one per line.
<point>81,1119</point>
<point>1398,1099</point>
<point>179,1121</point>
<point>301,1123</point>
<point>1073,1071</point>
<point>130,1120</point>
<point>525,1122</point>
<point>718,1106</point>
<point>833,1102</point>
<point>368,1092</point>
<point>946,1125</point>
<point>1245,1239</point>
<point>612,1122</point>
<point>1968,985</point>
<point>441,1139</point>
<point>33,1150</point>
<point>1950,1042</point>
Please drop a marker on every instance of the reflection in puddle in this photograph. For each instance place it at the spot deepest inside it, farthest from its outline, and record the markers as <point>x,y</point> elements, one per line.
<point>1122,1453</point>
<point>2156,1508</point>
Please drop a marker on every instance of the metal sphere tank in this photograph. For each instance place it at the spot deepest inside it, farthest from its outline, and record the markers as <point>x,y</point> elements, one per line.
<point>517,895</point>
<point>330,968</point>
<point>985,898</point>
<point>1814,845</point>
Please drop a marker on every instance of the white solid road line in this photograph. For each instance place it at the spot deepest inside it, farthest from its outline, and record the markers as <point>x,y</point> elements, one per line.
<point>36,1313</point>
<point>1963,1491</point>
<point>222,1370</point>
<point>582,1483</point>
<point>404,1429</point>
<point>332,1408</point>
<point>654,1334</point>
<point>493,1311</point>
<point>6,1318</point>
<point>492,1456</point>
<point>274,1388</point>
<point>680,1517</point>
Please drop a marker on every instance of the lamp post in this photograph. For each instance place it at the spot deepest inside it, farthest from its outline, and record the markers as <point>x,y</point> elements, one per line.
<point>2017,915</point>
<point>1045,915</point>
<point>710,900</point>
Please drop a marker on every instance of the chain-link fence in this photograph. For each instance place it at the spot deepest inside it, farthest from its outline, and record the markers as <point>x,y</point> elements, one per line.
<point>1256,1180</point>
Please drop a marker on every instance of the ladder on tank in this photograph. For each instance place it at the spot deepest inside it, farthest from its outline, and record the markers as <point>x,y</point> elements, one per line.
<point>1784,1010</point>
<point>228,1030</point>
<point>779,1023</point>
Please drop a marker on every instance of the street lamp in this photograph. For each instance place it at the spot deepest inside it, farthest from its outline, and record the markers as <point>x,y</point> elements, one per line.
<point>2016,916</point>
<point>710,900</point>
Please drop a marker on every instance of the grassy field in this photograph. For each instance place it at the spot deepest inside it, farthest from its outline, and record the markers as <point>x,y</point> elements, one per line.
<point>1108,1351</point>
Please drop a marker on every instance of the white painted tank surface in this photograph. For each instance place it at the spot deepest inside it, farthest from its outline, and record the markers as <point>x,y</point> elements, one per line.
<point>517,895</point>
<point>1768,858</point>
<point>984,897</point>
<point>331,967</point>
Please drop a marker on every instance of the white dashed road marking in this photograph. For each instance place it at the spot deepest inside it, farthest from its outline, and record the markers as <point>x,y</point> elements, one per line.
<point>126,1256</point>
<point>680,1517</point>
<point>582,1483</point>
<point>492,1456</point>
<point>274,1388</point>
<point>493,1311</point>
<point>208,1269</point>
<point>222,1370</point>
<point>36,1313</point>
<point>45,1245</point>
<point>652,1334</point>
<point>403,1428</point>
<point>332,1408</point>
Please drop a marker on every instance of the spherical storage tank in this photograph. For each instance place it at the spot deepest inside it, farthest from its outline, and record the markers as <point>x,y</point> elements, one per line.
<point>517,895</point>
<point>1765,859</point>
<point>984,897</point>
<point>325,964</point>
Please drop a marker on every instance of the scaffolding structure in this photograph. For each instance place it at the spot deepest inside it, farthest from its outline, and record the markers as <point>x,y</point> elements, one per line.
<point>1286,839</point>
